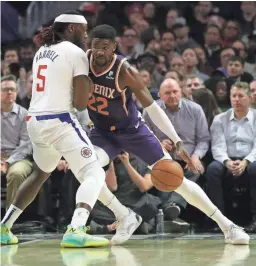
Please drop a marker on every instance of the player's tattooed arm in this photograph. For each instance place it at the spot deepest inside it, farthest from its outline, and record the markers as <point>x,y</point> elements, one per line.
<point>130,77</point>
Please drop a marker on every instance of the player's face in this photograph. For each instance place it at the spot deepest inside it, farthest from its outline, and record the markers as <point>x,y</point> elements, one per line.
<point>102,51</point>
<point>80,35</point>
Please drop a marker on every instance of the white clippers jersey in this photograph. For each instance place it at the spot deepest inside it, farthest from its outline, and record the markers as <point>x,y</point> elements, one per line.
<point>54,68</point>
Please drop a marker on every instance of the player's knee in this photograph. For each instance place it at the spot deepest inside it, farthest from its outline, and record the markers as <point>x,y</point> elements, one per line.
<point>92,170</point>
<point>16,176</point>
<point>102,156</point>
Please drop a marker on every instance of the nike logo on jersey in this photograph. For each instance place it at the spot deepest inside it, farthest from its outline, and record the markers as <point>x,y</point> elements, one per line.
<point>105,91</point>
<point>110,75</point>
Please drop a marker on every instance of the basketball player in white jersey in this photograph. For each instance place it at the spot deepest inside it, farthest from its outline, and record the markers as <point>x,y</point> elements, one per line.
<point>60,84</point>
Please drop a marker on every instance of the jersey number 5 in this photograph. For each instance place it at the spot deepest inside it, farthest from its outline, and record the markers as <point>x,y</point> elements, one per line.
<point>99,108</point>
<point>40,78</point>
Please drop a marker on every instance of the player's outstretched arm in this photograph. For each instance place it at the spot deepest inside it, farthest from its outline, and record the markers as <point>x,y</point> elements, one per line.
<point>130,77</point>
<point>81,91</point>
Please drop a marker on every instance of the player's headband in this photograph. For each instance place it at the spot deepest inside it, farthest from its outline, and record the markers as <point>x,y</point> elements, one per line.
<point>69,18</point>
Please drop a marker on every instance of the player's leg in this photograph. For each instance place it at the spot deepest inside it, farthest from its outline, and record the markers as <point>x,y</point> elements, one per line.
<point>47,159</point>
<point>150,151</point>
<point>81,157</point>
<point>106,152</point>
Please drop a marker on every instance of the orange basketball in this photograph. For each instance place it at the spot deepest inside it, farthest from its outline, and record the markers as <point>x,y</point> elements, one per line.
<point>167,175</point>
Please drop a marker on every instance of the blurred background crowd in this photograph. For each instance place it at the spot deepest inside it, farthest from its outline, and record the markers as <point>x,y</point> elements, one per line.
<point>209,48</point>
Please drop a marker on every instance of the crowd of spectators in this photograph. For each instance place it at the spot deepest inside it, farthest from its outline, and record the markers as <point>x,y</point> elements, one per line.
<point>212,105</point>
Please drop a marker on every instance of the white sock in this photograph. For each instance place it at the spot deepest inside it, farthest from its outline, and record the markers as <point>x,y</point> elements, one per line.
<point>111,202</point>
<point>223,222</point>
<point>80,217</point>
<point>92,178</point>
<point>11,216</point>
<point>195,196</point>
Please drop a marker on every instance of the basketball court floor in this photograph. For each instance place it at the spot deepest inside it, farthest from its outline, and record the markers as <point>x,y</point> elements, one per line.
<point>150,250</point>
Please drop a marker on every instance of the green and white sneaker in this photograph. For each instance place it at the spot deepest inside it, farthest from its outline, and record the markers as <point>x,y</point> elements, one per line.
<point>78,238</point>
<point>7,237</point>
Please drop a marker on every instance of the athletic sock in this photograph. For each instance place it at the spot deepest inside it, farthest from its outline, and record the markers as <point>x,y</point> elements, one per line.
<point>11,216</point>
<point>80,217</point>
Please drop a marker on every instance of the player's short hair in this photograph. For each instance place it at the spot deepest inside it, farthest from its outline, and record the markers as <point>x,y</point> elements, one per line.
<point>242,85</point>
<point>103,31</point>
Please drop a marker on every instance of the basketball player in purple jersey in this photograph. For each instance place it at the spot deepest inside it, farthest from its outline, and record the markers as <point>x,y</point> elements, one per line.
<point>118,126</point>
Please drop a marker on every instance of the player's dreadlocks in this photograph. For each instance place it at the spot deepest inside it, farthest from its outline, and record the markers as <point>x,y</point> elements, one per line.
<point>53,34</point>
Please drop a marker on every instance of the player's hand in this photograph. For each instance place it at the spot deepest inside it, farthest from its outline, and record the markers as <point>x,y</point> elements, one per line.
<point>124,158</point>
<point>168,144</point>
<point>182,152</point>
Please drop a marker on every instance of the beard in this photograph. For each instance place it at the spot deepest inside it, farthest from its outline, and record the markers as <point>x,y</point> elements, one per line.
<point>78,42</point>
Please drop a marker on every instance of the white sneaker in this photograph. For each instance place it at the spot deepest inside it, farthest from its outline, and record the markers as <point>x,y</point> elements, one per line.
<point>236,236</point>
<point>126,228</point>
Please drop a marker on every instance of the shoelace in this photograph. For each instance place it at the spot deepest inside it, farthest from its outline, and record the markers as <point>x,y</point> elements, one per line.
<point>234,228</point>
<point>86,228</point>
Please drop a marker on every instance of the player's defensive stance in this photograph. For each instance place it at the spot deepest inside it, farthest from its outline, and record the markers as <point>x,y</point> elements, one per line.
<point>60,84</point>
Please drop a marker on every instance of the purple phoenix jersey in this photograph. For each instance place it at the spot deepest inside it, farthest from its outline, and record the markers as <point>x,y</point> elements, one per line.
<point>111,108</point>
<point>117,122</point>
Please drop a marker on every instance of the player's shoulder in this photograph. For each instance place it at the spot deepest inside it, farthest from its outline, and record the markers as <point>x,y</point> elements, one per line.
<point>72,48</point>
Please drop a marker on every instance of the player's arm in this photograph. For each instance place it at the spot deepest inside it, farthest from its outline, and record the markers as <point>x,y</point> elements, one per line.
<point>81,92</point>
<point>130,77</point>
<point>81,81</point>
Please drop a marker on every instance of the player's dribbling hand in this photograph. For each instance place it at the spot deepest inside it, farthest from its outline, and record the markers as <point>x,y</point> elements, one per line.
<point>182,152</point>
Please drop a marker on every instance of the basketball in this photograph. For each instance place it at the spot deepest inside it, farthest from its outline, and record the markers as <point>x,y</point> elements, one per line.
<point>167,175</point>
